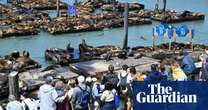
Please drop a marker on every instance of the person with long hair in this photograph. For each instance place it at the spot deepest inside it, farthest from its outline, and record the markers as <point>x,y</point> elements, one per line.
<point>108,97</point>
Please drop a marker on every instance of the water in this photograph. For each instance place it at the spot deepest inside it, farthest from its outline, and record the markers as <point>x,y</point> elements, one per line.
<point>37,44</point>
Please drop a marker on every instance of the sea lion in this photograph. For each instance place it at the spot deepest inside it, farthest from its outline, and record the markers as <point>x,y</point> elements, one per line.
<point>143,38</point>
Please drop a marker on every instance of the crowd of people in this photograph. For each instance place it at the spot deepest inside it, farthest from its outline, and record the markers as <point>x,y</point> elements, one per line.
<point>106,91</point>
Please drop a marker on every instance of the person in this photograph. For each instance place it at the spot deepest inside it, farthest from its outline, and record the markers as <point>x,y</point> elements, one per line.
<point>204,71</point>
<point>163,72</point>
<point>111,77</point>
<point>124,85</point>
<point>48,95</point>
<point>136,76</point>
<point>167,62</point>
<point>188,66</point>
<point>71,84</point>
<point>154,74</point>
<point>108,97</point>
<point>60,89</point>
<point>97,91</point>
<point>81,95</point>
<point>1,108</point>
<point>89,83</point>
<point>13,104</point>
<point>177,72</point>
<point>23,86</point>
<point>28,103</point>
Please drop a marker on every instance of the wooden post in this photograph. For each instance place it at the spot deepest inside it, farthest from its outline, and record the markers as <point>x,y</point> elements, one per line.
<point>58,7</point>
<point>126,12</point>
<point>13,84</point>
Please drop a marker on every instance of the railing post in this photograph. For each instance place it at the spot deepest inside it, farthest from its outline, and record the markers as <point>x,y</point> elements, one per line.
<point>14,84</point>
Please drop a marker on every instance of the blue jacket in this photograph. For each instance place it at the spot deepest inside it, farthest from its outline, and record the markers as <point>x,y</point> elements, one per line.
<point>188,65</point>
<point>154,76</point>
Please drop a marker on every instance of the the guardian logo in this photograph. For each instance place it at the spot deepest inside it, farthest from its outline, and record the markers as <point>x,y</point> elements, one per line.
<point>161,94</point>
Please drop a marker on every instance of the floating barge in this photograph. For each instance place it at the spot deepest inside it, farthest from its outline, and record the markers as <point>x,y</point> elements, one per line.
<point>65,57</point>
<point>119,7</point>
<point>35,78</point>
<point>101,66</point>
<point>83,24</point>
<point>86,19</point>
<point>18,30</point>
<point>39,4</point>
<point>171,16</point>
<point>17,22</point>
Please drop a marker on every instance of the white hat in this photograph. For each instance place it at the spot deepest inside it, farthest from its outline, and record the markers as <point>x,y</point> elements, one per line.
<point>88,79</point>
<point>81,79</point>
<point>94,79</point>
<point>206,51</point>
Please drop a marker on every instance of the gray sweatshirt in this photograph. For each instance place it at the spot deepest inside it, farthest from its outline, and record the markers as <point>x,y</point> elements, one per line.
<point>77,96</point>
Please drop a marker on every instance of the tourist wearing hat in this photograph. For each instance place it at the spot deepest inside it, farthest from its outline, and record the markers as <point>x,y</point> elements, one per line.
<point>81,95</point>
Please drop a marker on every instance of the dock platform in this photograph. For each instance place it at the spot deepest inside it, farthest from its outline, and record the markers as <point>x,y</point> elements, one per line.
<point>101,66</point>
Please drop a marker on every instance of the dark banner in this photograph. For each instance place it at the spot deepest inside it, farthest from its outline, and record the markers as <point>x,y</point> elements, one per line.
<point>170,95</point>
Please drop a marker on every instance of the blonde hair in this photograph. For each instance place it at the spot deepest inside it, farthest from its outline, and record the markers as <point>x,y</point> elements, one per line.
<point>59,85</point>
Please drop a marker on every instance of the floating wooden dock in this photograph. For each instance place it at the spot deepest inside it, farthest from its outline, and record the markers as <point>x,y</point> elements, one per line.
<point>101,66</point>
<point>175,17</point>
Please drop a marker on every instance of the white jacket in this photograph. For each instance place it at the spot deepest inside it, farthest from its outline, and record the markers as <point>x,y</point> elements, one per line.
<point>14,105</point>
<point>47,95</point>
<point>30,103</point>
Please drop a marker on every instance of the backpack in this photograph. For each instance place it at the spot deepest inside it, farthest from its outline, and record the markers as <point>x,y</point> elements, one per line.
<point>123,82</point>
<point>189,68</point>
<point>85,96</point>
<point>114,80</point>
